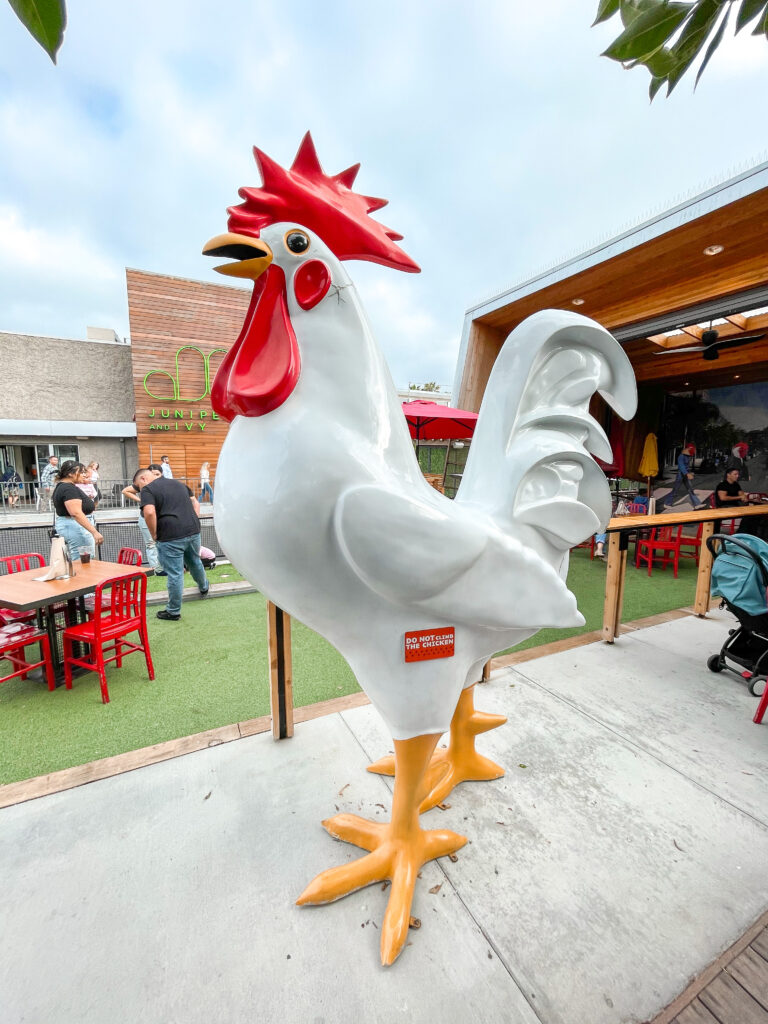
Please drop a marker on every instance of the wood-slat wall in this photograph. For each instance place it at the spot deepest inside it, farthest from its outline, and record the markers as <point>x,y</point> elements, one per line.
<point>167,313</point>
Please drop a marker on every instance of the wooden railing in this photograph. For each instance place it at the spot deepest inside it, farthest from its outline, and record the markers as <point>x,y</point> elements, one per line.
<point>620,529</point>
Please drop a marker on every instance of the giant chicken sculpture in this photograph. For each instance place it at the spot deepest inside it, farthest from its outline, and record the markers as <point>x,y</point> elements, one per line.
<point>321,504</point>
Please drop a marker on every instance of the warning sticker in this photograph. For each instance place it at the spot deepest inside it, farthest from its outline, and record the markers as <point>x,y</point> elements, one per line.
<point>425,644</point>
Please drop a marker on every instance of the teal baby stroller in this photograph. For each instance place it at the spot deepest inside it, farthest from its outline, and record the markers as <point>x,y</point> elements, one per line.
<point>740,576</point>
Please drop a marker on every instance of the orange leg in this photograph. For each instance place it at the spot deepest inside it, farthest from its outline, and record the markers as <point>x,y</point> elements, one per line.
<point>459,762</point>
<point>396,851</point>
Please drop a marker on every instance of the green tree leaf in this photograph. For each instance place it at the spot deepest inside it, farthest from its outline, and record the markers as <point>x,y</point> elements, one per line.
<point>762,26</point>
<point>632,9</point>
<point>606,9</point>
<point>692,39</point>
<point>660,64</point>
<point>749,9</point>
<point>45,20</point>
<point>653,88</point>
<point>718,38</point>
<point>648,32</point>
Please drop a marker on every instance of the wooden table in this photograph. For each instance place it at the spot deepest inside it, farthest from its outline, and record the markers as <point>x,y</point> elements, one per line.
<point>22,592</point>
<point>619,530</point>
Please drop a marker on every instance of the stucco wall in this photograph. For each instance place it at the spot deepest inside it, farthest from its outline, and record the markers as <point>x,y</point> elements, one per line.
<point>59,379</point>
<point>106,451</point>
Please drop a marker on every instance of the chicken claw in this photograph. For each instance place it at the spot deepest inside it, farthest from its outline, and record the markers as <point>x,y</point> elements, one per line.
<point>459,762</point>
<point>397,850</point>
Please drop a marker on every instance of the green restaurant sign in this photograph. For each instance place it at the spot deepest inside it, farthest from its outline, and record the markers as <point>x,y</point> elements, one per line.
<point>185,418</point>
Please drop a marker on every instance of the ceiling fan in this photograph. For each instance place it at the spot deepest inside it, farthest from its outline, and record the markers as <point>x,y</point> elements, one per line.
<point>711,346</point>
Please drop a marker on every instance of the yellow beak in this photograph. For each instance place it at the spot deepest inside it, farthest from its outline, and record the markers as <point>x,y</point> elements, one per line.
<point>253,256</point>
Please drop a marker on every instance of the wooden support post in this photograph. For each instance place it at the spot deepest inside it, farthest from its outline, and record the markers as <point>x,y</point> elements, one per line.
<point>486,671</point>
<point>614,585</point>
<point>703,583</point>
<point>280,671</point>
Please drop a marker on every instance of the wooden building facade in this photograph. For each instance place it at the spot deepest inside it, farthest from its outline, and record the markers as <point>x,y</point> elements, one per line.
<point>653,287</point>
<point>180,332</point>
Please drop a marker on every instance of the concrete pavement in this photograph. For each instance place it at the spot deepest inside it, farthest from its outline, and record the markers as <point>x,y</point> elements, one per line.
<point>621,853</point>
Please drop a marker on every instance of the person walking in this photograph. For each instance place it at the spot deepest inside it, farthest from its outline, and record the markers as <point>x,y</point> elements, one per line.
<point>48,480</point>
<point>683,479</point>
<point>150,546</point>
<point>74,512</point>
<point>11,481</point>
<point>205,482</point>
<point>94,471</point>
<point>165,466</point>
<point>738,460</point>
<point>170,511</point>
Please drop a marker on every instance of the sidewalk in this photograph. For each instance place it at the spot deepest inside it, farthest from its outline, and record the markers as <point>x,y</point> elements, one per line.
<point>623,851</point>
<point>28,517</point>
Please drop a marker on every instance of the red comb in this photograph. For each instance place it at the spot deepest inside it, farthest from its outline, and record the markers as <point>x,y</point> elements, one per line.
<point>323,203</point>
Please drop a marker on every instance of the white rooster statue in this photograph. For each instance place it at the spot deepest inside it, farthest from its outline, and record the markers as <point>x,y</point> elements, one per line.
<point>320,502</point>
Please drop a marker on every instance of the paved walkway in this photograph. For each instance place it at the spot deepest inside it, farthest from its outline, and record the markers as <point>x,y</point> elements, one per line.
<point>622,853</point>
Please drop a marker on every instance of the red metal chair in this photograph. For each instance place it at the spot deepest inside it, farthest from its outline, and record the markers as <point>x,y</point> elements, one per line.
<point>125,556</point>
<point>129,556</point>
<point>691,541</point>
<point>120,608</point>
<point>19,563</point>
<point>726,525</point>
<point>13,640</point>
<point>762,707</point>
<point>664,539</point>
<point>638,508</point>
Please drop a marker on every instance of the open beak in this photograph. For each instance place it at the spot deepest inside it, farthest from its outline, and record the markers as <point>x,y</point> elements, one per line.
<point>251,254</point>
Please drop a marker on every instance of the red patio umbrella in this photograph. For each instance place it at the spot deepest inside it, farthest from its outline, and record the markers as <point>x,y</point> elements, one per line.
<point>616,437</point>
<point>430,421</point>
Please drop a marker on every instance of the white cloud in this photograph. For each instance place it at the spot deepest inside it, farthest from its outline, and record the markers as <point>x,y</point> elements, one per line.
<point>59,255</point>
<point>500,136</point>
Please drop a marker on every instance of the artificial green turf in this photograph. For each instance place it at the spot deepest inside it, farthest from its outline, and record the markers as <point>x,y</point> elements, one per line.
<point>643,594</point>
<point>211,670</point>
<point>221,574</point>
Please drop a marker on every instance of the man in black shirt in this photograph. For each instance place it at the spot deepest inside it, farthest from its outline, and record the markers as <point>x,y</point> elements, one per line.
<point>170,512</point>
<point>728,492</point>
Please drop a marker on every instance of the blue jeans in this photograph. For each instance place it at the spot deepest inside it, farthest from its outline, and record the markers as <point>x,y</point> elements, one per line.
<point>75,536</point>
<point>207,489</point>
<point>149,544</point>
<point>681,482</point>
<point>175,554</point>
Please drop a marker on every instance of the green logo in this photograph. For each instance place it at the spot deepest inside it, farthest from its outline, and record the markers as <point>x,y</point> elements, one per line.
<point>176,380</point>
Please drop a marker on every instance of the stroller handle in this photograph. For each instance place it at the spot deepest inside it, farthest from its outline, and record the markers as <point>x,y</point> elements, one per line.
<point>723,538</point>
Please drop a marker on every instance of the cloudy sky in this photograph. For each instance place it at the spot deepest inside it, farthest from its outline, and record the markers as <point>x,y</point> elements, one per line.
<point>502,139</point>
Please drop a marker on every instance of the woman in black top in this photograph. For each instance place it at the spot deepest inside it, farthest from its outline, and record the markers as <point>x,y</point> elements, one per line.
<point>74,511</point>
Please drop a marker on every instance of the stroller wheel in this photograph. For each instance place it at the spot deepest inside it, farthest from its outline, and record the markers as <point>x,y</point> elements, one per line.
<point>754,682</point>
<point>714,664</point>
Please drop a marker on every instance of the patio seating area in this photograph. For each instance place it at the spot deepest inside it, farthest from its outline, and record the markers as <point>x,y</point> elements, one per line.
<point>620,856</point>
<point>209,675</point>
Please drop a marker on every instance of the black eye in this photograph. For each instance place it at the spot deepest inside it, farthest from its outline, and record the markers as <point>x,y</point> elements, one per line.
<point>297,241</point>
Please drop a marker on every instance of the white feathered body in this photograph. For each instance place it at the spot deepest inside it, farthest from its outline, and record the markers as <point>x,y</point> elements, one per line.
<point>321,505</point>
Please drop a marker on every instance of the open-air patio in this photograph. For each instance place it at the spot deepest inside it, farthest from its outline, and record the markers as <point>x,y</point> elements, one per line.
<point>620,856</point>
<point>210,675</point>
<point>224,367</point>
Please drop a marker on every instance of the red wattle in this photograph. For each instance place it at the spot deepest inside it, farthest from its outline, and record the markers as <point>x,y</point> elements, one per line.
<point>261,369</point>
<point>311,283</point>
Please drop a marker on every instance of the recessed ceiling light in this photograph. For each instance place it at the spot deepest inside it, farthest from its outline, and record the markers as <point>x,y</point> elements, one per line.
<point>713,250</point>
<point>736,376</point>
<point>577,302</point>
<point>685,382</point>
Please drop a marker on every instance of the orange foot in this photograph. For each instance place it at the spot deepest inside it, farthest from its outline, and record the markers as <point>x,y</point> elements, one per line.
<point>459,762</point>
<point>397,851</point>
